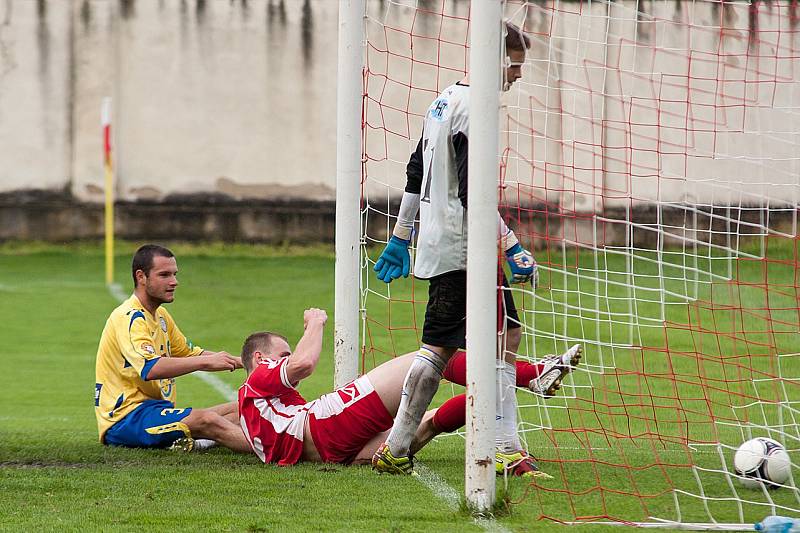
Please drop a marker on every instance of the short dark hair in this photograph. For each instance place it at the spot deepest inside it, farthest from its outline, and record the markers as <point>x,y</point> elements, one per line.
<point>257,342</point>
<point>143,259</point>
<point>516,39</point>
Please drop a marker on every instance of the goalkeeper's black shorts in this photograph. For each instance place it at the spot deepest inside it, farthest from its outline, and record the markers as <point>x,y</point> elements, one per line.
<point>446,314</point>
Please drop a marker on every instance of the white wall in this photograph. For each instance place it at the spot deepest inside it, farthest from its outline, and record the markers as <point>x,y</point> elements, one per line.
<point>620,103</point>
<point>215,96</point>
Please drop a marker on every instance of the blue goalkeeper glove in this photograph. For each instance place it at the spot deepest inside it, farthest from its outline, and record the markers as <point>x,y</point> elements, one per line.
<point>394,261</point>
<point>523,265</point>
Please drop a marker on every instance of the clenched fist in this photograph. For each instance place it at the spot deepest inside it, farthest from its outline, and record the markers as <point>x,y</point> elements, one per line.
<point>314,315</point>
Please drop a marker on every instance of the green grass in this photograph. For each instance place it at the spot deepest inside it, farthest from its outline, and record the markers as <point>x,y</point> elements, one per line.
<point>55,475</point>
<point>658,378</point>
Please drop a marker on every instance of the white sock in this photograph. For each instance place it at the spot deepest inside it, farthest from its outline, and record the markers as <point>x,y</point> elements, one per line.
<point>506,438</point>
<point>421,384</point>
<point>204,444</point>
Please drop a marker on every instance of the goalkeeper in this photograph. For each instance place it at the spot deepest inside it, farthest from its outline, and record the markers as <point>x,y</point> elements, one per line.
<point>437,187</point>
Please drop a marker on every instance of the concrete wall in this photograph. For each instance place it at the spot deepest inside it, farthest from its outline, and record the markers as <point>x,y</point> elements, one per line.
<point>623,104</point>
<point>209,96</point>
<point>620,103</point>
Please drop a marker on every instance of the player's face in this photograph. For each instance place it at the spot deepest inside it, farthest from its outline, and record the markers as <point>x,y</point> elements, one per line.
<point>162,280</point>
<point>278,348</point>
<point>516,58</point>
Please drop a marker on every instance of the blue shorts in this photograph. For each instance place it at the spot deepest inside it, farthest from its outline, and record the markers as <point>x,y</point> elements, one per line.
<point>154,424</point>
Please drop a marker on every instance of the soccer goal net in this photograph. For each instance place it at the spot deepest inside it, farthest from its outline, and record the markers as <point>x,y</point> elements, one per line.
<point>650,159</point>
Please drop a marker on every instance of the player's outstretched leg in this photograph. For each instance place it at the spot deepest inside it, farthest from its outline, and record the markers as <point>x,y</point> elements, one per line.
<point>553,370</point>
<point>208,424</point>
<point>527,373</point>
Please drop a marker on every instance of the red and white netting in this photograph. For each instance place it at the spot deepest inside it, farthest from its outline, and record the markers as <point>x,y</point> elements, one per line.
<point>650,159</point>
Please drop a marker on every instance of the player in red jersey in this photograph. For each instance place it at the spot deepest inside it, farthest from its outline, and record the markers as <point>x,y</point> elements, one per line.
<point>347,425</point>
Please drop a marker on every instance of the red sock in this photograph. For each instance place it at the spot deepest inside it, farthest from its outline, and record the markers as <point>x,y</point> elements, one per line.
<point>526,372</point>
<point>456,370</point>
<point>452,415</point>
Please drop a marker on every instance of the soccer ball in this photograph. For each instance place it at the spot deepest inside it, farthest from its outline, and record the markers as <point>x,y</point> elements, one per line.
<point>762,461</point>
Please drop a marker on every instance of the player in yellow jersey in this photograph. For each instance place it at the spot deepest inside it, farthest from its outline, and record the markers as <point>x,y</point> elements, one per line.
<point>141,353</point>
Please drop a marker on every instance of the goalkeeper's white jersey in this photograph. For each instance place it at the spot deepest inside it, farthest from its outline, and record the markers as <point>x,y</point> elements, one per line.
<point>442,240</point>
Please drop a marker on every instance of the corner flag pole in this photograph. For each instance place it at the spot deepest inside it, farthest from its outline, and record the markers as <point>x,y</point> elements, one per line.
<point>105,121</point>
<point>484,169</point>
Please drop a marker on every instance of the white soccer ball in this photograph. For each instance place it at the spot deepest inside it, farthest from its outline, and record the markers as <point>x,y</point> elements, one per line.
<point>762,461</point>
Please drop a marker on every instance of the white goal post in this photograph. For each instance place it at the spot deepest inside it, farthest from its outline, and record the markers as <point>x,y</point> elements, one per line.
<point>483,181</point>
<point>485,84</point>
<point>349,94</point>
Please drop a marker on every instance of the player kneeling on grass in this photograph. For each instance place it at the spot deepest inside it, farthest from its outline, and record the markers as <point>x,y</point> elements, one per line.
<point>347,425</point>
<point>141,353</point>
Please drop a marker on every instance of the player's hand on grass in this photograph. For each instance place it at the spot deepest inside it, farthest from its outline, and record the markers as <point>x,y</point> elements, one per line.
<point>394,261</point>
<point>314,315</point>
<point>523,265</point>
<point>222,361</point>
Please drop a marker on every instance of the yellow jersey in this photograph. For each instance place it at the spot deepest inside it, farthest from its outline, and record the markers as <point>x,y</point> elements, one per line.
<point>132,342</point>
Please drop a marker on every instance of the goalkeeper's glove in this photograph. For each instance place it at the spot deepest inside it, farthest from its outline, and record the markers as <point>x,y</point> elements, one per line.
<point>523,265</point>
<point>394,261</point>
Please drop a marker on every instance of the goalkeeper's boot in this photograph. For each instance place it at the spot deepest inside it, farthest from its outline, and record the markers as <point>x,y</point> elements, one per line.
<point>384,462</point>
<point>554,369</point>
<point>183,444</point>
<point>519,464</point>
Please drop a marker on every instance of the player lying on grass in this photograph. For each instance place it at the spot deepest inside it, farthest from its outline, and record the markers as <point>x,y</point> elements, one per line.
<point>141,353</point>
<point>347,425</point>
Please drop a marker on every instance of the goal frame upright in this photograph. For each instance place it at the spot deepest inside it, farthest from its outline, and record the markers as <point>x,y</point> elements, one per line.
<point>349,101</point>
<point>482,344</point>
<point>484,173</point>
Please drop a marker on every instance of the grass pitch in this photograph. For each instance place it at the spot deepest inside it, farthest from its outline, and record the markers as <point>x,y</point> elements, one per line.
<point>55,475</point>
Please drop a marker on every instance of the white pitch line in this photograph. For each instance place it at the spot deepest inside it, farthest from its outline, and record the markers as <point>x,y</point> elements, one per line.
<point>667,524</point>
<point>427,477</point>
<point>218,385</point>
<point>117,292</point>
<point>450,497</point>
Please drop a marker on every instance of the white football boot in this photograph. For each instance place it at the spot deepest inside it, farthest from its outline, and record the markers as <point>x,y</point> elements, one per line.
<point>554,368</point>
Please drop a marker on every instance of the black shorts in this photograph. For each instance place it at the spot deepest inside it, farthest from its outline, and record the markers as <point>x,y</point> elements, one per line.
<point>446,314</point>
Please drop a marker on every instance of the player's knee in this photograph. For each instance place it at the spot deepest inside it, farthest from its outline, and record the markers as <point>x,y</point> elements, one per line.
<point>422,377</point>
<point>204,423</point>
<point>437,358</point>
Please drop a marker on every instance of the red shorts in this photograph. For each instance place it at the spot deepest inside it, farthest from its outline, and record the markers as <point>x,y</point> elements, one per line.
<point>343,421</point>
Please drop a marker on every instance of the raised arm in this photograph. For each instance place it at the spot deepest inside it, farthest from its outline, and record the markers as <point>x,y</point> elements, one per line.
<point>306,355</point>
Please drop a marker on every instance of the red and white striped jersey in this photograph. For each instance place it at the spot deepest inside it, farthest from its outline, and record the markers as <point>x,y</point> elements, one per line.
<point>273,414</point>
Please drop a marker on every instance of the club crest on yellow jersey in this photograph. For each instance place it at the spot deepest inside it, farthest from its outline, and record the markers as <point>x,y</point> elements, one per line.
<point>166,386</point>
